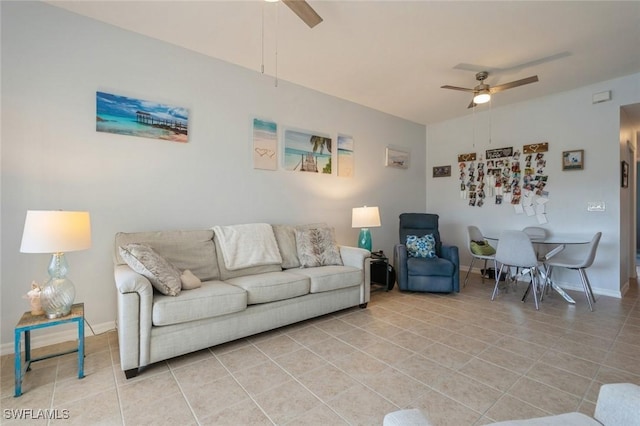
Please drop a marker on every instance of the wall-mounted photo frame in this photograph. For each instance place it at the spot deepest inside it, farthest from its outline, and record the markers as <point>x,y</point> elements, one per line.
<point>624,174</point>
<point>441,171</point>
<point>573,160</point>
<point>396,158</point>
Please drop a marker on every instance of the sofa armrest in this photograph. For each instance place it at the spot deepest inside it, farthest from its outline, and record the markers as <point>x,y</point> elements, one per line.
<point>618,404</point>
<point>135,303</point>
<point>359,258</point>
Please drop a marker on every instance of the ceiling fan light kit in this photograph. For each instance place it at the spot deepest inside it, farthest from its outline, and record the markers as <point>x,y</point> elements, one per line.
<point>482,97</point>
<point>482,92</point>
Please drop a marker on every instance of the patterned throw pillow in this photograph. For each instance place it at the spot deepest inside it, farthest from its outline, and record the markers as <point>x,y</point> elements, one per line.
<point>421,246</point>
<point>144,260</point>
<point>317,247</point>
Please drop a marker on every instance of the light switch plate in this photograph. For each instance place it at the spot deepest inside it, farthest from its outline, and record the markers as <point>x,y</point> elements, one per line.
<point>595,206</point>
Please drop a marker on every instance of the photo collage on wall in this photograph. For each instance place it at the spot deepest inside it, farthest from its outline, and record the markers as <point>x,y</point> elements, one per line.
<point>500,179</point>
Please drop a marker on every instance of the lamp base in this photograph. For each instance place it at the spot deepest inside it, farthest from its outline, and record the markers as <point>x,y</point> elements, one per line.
<point>57,297</point>
<point>364,239</point>
<point>58,293</point>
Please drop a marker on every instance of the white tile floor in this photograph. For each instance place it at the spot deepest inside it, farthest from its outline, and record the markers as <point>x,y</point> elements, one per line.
<point>461,358</point>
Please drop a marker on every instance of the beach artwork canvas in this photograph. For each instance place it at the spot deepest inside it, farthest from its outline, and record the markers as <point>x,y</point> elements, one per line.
<point>136,117</point>
<point>397,158</point>
<point>265,144</point>
<point>306,152</point>
<point>345,156</point>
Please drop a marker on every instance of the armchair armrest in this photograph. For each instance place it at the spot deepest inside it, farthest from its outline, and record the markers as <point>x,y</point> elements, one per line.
<point>618,404</point>
<point>400,263</point>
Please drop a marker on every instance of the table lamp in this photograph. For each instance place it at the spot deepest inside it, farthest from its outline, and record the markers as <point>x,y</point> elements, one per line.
<point>56,232</point>
<point>365,218</point>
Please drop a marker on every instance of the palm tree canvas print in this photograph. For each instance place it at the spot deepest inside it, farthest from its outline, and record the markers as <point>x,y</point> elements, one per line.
<point>306,152</point>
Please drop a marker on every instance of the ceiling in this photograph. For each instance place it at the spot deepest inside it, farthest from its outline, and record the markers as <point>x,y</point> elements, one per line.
<point>394,55</point>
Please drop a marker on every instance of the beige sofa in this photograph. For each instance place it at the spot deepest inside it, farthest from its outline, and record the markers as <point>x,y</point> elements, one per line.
<point>618,405</point>
<point>230,303</point>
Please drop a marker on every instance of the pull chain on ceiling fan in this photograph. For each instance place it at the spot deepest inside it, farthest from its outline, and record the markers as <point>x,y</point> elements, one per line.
<point>482,92</point>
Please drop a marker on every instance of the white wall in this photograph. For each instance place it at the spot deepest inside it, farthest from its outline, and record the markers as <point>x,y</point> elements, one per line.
<point>53,62</point>
<point>567,121</point>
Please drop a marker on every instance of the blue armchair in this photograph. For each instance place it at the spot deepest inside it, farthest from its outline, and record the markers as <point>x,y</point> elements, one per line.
<point>440,274</point>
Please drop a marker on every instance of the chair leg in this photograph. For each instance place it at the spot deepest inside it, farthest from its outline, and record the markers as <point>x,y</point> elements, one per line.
<point>485,270</point>
<point>534,285</point>
<point>587,288</point>
<point>473,259</point>
<point>495,289</point>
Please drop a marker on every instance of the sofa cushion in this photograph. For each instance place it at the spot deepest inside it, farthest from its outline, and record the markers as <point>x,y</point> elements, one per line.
<point>163,276</point>
<point>189,281</point>
<point>193,250</point>
<point>286,239</point>
<point>434,267</point>
<point>328,278</point>
<point>271,286</point>
<point>212,299</point>
<point>317,247</point>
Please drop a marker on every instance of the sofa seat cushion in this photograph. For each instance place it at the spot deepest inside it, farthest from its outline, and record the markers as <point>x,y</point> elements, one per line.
<point>328,278</point>
<point>212,299</point>
<point>271,286</point>
<point>431,267</point>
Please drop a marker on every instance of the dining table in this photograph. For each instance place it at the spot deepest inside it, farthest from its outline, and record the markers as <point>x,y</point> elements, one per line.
<point>554,241</point>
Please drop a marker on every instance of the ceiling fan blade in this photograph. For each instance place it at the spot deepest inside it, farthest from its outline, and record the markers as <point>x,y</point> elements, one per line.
<point>501,87</point>
<point>304,12</point>
<point>457,88</point>
<point>472,104</point>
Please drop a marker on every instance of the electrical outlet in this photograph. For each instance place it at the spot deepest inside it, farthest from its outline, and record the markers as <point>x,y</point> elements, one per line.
<point>595,206</point>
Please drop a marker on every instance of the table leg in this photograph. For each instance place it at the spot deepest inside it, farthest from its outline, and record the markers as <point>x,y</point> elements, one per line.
<point>81,348</point>
<point>562,293</point>
<point>18,368</point>
<point>557,288</point>
<point>27,349</point>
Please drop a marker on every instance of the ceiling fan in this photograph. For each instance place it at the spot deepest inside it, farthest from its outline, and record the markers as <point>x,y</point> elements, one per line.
<point>482,92</point>
<point>304,12</point>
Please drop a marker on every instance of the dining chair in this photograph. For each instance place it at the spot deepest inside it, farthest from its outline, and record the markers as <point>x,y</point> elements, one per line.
<point>579,259</point>
<point>537,234</point>
<point>475,235</point>
<point>516,250</point>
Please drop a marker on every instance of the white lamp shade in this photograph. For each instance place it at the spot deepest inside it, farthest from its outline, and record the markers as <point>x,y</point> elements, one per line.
<point>365,217</point>
<point>55,231</point>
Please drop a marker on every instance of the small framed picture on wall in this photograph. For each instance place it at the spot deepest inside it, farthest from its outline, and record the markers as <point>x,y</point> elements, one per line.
<point>573,160</point>
<point>624,174</point>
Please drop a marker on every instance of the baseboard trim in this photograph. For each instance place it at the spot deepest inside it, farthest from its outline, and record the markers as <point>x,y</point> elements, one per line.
<point>59,337</point>
<point>564,285</point>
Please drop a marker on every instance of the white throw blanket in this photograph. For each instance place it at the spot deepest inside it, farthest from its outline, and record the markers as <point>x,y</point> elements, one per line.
<point>246,245</point>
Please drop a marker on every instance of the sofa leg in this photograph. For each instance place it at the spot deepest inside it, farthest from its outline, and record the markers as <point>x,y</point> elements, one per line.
<point>131,373</point>
<point>363,305</point>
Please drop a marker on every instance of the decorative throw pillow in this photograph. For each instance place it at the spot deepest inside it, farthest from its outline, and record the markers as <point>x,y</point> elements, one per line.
<point>317,247</point>
<point>421,246</point>
<point>482,248</point>
<point>163,275</point>
<point>189,281</point>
